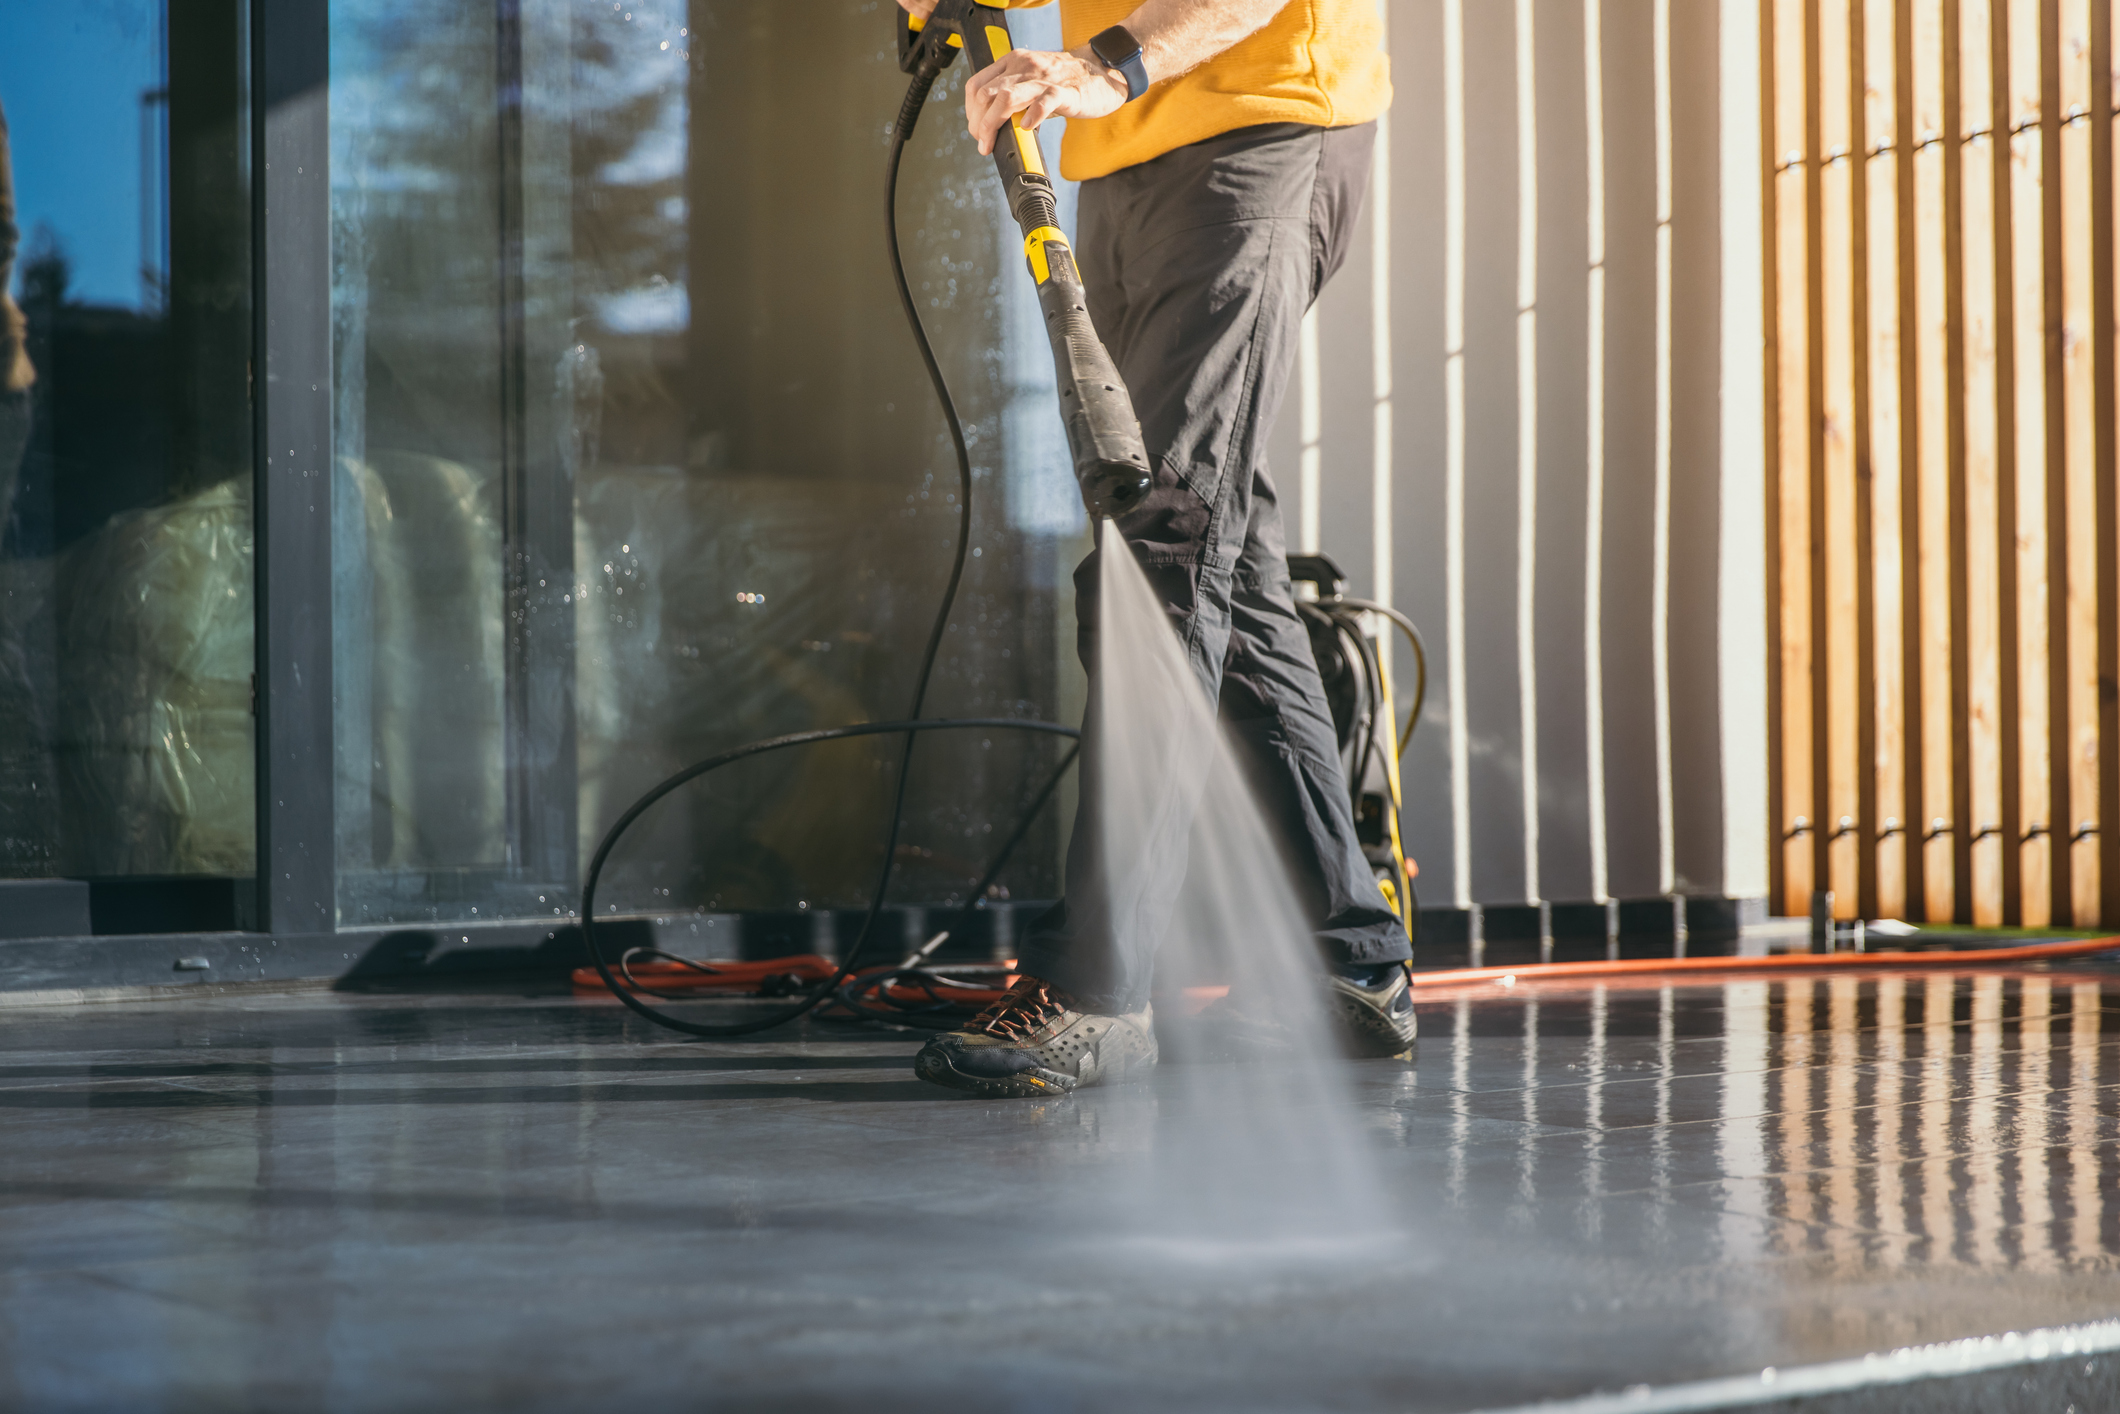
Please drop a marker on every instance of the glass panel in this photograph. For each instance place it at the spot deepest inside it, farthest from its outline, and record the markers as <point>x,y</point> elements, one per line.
<point>125,522</point>
<point>637,460</point>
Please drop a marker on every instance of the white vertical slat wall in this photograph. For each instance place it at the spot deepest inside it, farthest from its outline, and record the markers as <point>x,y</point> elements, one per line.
<point>1528,413</point>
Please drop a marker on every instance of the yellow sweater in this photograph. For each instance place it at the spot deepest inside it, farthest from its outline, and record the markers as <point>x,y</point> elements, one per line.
<point>1318,61</point>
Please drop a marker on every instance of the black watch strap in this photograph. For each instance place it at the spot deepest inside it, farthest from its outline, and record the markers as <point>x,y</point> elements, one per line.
<point>1119,50</point>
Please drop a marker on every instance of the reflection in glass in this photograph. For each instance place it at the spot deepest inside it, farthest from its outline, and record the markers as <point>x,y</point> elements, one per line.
<point>125,520</point>
<point>635,462</point>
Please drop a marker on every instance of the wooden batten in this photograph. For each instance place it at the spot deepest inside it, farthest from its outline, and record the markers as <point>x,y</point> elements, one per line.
<point>1944,526</point>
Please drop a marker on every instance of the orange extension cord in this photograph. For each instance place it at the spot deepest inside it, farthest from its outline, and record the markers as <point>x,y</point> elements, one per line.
<point>1634,966</point>
<point>788,974</point>
<point>809,968</point>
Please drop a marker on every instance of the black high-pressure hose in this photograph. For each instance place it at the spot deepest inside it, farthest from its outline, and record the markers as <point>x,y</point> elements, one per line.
<point>1420,659</point>
<point>912,726</point>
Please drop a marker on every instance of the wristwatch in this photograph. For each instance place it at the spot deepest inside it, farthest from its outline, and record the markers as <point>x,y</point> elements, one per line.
<point>1119,50</point>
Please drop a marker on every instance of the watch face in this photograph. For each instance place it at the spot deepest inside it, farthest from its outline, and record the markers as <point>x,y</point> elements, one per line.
<point>1118,49</point>
<point>1115,46</point>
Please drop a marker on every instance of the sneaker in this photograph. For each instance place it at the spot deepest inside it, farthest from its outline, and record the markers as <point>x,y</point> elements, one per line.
<point>1374,1007</point>
<point>1037,1041</point>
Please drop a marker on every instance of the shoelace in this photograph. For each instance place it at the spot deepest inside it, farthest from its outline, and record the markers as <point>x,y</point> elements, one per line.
<point>1023,1009</point>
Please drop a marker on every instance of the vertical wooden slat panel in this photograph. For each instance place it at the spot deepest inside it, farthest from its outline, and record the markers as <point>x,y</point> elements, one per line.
<point>1961,805</point>
<point>1979,666</point>
<point>2055,498</point>
<point>1862,749</point>
<point>1770,178</point>
<point>1840,444</point>
<point>2060,812</point>
<point>2027,840</point>
<point>1934,189</point>
<point>1793,470</point>
<point>1912,646</point>
<point>2075,505</point>
<point>1886,762</point>
<point>1944,500</point>
<point>1817,501</point>
<point>2104,471</point>
<point>2004,823</point>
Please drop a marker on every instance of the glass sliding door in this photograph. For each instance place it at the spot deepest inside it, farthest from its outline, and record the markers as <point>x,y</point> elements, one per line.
<point>422,435</point>
<point>636,461</point>
<point>126,555</point>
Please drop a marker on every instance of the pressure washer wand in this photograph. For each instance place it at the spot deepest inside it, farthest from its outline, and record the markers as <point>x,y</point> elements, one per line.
<point>1103,435</point>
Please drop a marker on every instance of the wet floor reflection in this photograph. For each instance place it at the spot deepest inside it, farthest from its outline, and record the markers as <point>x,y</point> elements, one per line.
<point>326,1202</point>
<point>1741,1141</point>
<point>1868,1123</point>
<point>1460,1090</point>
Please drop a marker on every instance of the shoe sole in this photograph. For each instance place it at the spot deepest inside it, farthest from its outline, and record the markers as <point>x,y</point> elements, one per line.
<point>1371,1036</point>
<point>1037,1082</point>
<point>1032,1084</point>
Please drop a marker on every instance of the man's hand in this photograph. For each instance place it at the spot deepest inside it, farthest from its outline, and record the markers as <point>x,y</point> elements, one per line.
<point>1176,36</point>
<point>1038,84</point>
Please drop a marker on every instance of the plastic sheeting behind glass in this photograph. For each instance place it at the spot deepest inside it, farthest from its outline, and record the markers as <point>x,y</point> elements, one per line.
<point>126,744</point>
<point>637,461</point>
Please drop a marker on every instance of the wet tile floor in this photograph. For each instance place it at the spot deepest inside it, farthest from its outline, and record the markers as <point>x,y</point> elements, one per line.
<point>333,1201</point>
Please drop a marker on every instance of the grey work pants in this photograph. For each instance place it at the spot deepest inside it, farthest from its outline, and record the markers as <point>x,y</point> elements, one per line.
<point>1199,266</point>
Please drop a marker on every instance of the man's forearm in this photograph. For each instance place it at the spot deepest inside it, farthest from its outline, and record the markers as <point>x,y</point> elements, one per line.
<point>1175,36</point>
<point>1180,35</point>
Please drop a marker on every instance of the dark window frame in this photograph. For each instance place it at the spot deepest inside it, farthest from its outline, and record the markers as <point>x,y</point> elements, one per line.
<point>297,878</point>
<point>292,895</point>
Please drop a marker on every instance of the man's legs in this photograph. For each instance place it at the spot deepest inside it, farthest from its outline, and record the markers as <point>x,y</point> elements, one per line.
<point>1275,708</point>
<point>1200,265</point>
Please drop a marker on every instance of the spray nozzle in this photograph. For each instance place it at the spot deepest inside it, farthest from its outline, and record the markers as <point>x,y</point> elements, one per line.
<point>1114,488</point>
